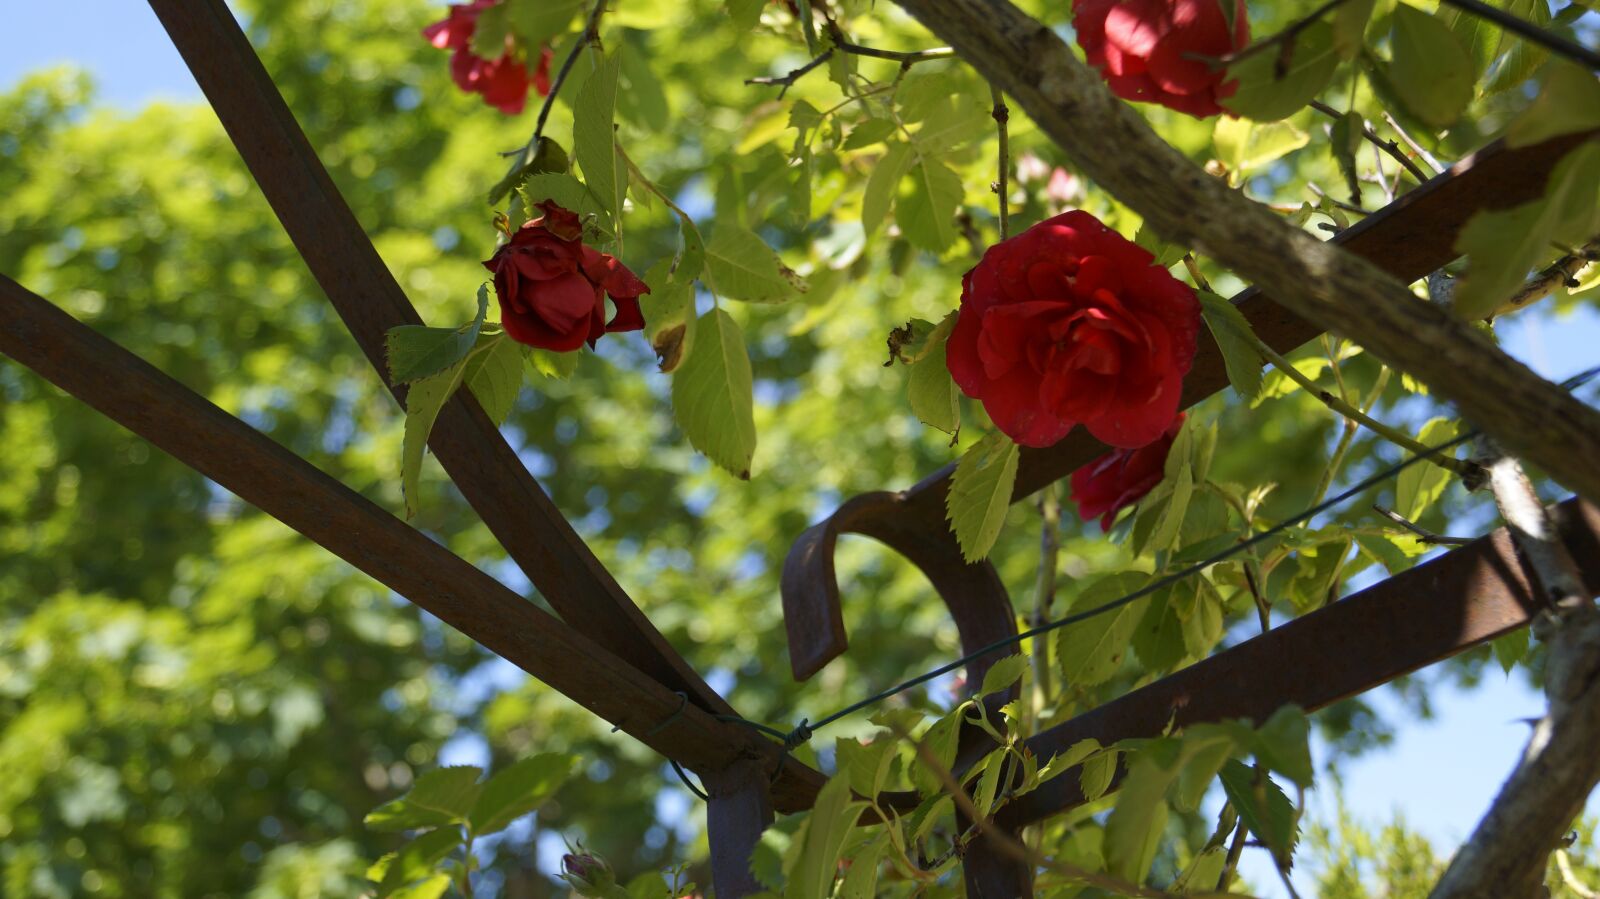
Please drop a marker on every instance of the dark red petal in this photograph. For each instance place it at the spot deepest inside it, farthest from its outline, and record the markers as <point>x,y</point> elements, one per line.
<point>629,316</point>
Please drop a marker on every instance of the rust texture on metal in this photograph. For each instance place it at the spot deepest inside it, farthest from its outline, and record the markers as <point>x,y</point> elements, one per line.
<point>133,393</point>
<point>1424,615</point>
<point>1409,238</point>
<point>737,811</point>
<point>342,259</point>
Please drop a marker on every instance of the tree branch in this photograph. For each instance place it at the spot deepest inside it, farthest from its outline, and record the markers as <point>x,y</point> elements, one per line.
<point>1320,282</point>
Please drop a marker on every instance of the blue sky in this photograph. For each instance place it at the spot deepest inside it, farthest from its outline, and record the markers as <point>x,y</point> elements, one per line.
<point>1439,774</point>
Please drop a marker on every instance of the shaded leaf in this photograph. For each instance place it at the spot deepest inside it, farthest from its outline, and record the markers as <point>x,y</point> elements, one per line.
<point>712,395</point>
<point>980,494</point>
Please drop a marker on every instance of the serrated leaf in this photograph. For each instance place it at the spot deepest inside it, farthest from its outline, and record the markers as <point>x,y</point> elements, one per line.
<point>1417,488</point>
<point>1003,674</point>
<point>1170,525</point>
<point>882,185</point>
<point>830,822</point>
<point>951,124</point>
<point>669,321</point>
<point>594,139</point>
<point>1166,254</point>
<point>442,796</point>
<point>940,739</point>
<point>980,494</point>
<point>418,859</point>
<point>569,193</point>
<point>1204,756</point>
<point>1524,57</point>
<point>712,395</point>
<point>1095,778</point>
<point>927,215</point>
<point>1158,638</point>
<point>424,400</point>
<point>740,266</point>
<point>861,880</point>
<point>1237,341</point>
<point>869,132</point>
<point>1263,96</point>
<point>1263,807</point>
<point>935,399</point>
<point>519,789</point>
<point>1090,651</point>
<point>1283,744</point>
<point>414,351</point>
<point>494,375</point>
<point>1510,648</point>
<point>1431,72</point>
<point>1134,828</point>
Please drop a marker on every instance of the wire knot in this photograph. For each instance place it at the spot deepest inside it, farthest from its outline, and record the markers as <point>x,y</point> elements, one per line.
<point>798,737</point>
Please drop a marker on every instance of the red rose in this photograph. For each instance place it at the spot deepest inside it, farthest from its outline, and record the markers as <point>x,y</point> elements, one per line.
<point>1070,322</point>
<point>1121,477</point>
<point>1146,49</point>
<point>552,288</point>
<point>502,81</point>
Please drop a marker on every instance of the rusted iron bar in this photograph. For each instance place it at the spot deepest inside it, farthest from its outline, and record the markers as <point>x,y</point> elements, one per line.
<point>1429,613</point>
<point>133,393</point>
<point>341,257</point>
<point>737,811</point>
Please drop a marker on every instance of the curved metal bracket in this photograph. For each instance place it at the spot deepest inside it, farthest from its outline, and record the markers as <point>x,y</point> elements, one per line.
<point>812,610</point>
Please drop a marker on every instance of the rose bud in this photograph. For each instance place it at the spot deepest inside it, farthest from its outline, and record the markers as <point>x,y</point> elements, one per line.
<point>588,874</point>
<point>1068,323</point>
<point>1121,477</point>
<point>1162,51</point>
<point>552,287</point>
<point>503,81</point>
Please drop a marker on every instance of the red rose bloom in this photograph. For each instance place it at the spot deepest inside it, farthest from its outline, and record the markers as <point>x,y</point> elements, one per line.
<point>1146,49</point>
<point>503,81</point>
<point>1070,322</point>
<point>552,288</point>
<point>1121,477</point>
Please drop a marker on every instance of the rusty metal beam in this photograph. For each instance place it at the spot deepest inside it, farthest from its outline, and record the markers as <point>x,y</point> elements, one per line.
<point>136,395</point>
<point>341,257</point>
<point>1424,615</point>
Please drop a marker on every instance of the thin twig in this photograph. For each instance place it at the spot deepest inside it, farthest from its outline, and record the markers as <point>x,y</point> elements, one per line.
<point>1002,116</point>
<point>794,75</point>
<point>530,150</point>
<point>1423,534</point>
<point>1559,273</point>
<point>1285,38</point>
<point>1570,877</point>
<point>1522,28</point>
<point>1387,146</point>
<point>1346,206</point>
<point>906,58</point>
<point>1411,142</point>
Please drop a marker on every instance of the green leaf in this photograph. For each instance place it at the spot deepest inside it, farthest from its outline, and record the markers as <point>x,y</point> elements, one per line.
<point>432,888</point>
<point>1431,71</point>
<point>1158,638</point>
<point>1095,778</point>
<point>669,319</point>
<point>489,32</point>
<point>1317,572</point>
<point>1350,26</point>
<point>740,266</point>
<point>1091,650</point>
<point>712,395</point>
<point>519,789</point>
<point>1510,648</point>
<point>935,399</point>
<point>1170,524</point>
<point>1283,744</point>
<point>1204,755</point>
<point>940,739</point>
<point>1243,145</point>
<point>927,215</point>
<point>1005,672</point>
<point>1263,96</point>
<point>868,765</point>
<point>1568,102</point>
<point>980,494</point>
<point>570,194</point>
<point>1503,246</point>
<point>869,132</point>
<point>1265,810</point>
<point>882,186</point>
<point>1200,612</point>
<point>494,375</point>
<point>1135,826</point>
<point>1061,762</point>
<point>746,14</point>
<point>1237,341</point>
<point>546,157</point>
<point>594,139</point>
<point>548,364</point>
<point>537,23</point>
<point>442,796</point>
<point>419,858</point>
<point>1344,141</point>
<point>951,123</point>
<point>424,400</point>
<point>827,826</point>
<point>861,880</point>
<point>800,184</point>
<point>640,97</point>
<point>1417,488</point>
<point>1167,254</point>
<point>1524,57</point>
<point>415,352</point>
